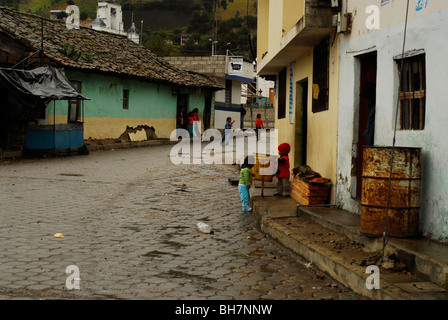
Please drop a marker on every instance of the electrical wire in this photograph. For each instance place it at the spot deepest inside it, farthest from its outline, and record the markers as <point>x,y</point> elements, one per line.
<point>387,222</point>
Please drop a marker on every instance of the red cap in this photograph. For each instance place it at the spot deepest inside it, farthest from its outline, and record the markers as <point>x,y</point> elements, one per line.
<point>284,148</point>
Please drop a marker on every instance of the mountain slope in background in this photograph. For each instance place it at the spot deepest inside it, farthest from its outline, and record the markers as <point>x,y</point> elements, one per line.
<point>171,8</point>
<point>163,22</point>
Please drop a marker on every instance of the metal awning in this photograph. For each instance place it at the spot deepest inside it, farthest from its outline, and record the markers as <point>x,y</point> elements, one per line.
<point>38,86</point>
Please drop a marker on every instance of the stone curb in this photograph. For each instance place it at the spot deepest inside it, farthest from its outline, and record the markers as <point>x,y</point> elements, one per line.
<point>121,144</point>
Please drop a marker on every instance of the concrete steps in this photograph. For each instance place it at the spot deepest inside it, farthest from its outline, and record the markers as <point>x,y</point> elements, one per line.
<point>330,239</point>
<point>426,258</point>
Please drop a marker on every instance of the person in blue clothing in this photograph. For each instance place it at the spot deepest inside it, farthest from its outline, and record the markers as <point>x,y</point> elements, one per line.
<point>227,130</point>
<point>245,182</point>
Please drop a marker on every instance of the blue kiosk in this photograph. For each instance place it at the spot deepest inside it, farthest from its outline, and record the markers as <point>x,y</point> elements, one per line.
<point>34,90</point>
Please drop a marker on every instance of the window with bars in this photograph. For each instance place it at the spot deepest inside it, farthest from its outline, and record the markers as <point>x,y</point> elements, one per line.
<point>413,93</point>
<point>321,61</point>
<point>228,93</point>
<point>126,99</point>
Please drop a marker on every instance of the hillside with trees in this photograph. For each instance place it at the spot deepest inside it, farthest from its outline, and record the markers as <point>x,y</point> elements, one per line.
<point>174,27</point>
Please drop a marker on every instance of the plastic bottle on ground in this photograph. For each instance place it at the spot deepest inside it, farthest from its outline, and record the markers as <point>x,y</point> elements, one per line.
<point>203,227</point>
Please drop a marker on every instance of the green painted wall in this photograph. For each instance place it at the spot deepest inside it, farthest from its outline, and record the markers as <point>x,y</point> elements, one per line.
<point>150,104</point>
<point>196,101</point>
<point>146,100</point>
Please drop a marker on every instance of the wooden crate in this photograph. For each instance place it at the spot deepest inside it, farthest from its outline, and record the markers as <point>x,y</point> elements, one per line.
<point>307,194</point>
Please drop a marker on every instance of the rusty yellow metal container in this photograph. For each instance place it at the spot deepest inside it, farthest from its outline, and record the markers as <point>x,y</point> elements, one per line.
<point>262,161</point>
<point>404,200</point>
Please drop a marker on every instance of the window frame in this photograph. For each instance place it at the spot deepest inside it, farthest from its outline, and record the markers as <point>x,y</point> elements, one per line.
<point>321,75</point>
<point>413,113</point>
<point>76,103</point>
<point>125,99</point>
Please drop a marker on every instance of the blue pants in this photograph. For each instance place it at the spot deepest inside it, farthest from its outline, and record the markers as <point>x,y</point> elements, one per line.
<point>226,136</point>
<point>245,197</point>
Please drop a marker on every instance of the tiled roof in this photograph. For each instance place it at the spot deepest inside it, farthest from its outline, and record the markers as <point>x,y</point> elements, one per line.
<point>95,51</point>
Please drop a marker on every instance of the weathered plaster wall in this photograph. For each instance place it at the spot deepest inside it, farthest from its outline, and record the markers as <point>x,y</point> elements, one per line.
<point>322,126</point>
<point>150,104</point>
<point>427,32</point>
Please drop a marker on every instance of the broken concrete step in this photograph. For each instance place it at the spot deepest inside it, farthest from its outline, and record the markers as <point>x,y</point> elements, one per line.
<point>426,258</point>
<point>341,258</point>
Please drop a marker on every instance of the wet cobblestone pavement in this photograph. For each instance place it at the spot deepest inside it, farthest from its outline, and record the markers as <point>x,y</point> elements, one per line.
<point>128,219</point>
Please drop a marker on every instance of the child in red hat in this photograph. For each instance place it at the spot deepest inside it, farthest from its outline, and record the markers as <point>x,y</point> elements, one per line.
<point>283,184</point>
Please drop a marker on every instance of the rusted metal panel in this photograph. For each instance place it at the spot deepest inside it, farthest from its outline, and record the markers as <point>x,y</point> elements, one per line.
<point>404,199</point>
<point>403,223</point>
<point>377,162</point>
<point>405,193</point>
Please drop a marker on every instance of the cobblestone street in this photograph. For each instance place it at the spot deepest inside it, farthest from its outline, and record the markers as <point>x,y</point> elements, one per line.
<point>128,219</point>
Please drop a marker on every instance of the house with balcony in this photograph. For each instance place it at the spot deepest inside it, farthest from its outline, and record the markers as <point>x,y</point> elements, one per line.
<point>342,67</point>
<point>297,48</point>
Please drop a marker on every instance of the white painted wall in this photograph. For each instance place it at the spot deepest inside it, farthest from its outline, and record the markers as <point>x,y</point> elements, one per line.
<point>426,31</point>
<point>236,93</point>
<point>221,116</point>
<point>114,23</point>
<point>264,85</point>
<point>220,98</point>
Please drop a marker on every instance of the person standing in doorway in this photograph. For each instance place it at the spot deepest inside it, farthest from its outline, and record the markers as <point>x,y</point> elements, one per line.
<point>197,122</point>
<point>190,124</point>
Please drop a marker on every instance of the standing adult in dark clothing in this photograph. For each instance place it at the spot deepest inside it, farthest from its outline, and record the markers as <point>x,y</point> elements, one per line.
<point>243,113</point>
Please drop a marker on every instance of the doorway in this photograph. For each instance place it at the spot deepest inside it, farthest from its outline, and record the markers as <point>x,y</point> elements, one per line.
<point>13,121</point>
<point>207,111</point>
<point>367,74</point>
<point>182,111</point>
<point>301,128</point>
